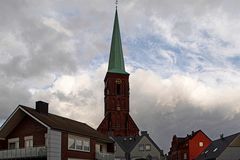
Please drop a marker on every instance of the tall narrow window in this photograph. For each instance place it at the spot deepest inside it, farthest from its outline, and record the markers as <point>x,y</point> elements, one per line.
<point>46,140</point>
<point>185,156</point>
<point>118,89</point>
<point>141,147</point>
<point>118,86</point>
<point>28,141</point>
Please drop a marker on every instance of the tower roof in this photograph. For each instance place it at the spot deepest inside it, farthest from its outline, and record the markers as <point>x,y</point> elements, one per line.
<point>116,61</point>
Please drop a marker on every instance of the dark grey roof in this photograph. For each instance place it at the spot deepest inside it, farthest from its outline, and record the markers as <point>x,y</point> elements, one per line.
<point>217,147</point>
<point>128,143</point>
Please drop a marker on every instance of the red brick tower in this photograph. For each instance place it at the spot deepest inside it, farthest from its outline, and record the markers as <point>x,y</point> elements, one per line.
<point>117,121</point>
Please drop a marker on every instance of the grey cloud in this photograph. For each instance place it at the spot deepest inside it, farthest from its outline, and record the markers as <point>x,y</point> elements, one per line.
<point>183,120</point>
<point>36,55</point>
<point>12,94</point>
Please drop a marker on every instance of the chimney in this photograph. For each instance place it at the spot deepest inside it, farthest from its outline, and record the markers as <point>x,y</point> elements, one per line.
<point>193,133</point>
<point>144,133</point>
<point>222,136</point>
<point>42,107</point>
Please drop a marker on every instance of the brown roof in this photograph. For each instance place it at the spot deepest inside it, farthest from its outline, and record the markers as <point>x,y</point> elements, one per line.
<point>68,125</point>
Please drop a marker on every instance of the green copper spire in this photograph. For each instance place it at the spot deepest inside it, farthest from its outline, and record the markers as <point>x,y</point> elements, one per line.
<point>116,61</point>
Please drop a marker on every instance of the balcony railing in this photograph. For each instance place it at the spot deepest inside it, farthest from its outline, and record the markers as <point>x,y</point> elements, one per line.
<point>104,156</point>
<point>24,153</point>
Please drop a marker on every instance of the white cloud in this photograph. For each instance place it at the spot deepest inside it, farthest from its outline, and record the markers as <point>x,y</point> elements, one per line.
<point>54,24</point>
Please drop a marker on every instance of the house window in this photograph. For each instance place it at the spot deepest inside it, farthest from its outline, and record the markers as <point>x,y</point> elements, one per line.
<point>200,144</point>
<point>141,147</point>
<point>78,143</point>
<point>147,147</point>
<point>86,145</point>
<point>13,143</point>
<point>28,141</point>
<point>71,143</point>
<point>101,148</point>
<point>185,156</point>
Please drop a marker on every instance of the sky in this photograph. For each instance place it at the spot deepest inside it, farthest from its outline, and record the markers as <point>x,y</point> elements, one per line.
<point>183,57</point>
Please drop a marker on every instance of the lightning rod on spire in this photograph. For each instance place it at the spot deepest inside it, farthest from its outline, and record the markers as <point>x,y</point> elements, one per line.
<point>116,4</point>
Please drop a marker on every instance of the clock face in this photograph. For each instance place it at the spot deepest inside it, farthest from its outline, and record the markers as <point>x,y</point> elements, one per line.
<point>118,81</point>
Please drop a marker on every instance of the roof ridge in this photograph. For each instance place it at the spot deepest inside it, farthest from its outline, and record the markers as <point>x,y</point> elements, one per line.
<point>54,115</point>
<point>229,136</point>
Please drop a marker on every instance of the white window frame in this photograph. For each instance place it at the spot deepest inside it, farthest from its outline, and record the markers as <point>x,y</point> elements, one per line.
<point>185,156</point>
<point>13,140</point>
<point>83,140</point>
<point>149,147</point>
<point>30,139</point>
<point>201,144</point>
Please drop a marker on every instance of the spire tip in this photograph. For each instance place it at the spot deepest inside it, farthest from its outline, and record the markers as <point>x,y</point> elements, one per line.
<point>116,3</point>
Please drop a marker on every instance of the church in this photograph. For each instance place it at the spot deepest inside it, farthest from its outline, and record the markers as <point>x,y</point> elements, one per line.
<point>118,123</point>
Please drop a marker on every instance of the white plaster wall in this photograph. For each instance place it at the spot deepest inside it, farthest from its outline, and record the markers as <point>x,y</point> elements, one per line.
<point>54,145</point>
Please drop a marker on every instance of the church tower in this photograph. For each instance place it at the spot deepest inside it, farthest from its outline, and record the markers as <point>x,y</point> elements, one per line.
<point>117,121</point>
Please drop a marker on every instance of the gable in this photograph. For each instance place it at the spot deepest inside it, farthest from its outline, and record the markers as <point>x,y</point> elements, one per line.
<point>119,152</point>
<point>145,140</point>
<point>28,126</point>
<point>127,143</point>
<point>13,121</point>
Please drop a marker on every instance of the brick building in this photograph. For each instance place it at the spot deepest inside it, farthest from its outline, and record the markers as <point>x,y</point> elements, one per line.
<point>117,120</point>
<point>36,134</point>
<point>189,147</point>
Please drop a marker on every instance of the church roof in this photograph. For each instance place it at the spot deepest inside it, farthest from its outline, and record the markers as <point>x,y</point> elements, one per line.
<point>116,60</point>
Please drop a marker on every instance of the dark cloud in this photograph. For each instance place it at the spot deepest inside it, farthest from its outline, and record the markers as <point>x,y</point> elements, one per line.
<point>183,120</point>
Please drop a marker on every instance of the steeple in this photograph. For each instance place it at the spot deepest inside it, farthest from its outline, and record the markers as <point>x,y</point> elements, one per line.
<point>116,61</point>
<point>117,120</point>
